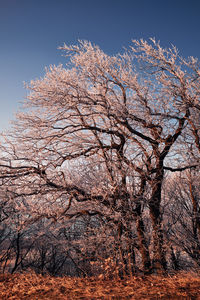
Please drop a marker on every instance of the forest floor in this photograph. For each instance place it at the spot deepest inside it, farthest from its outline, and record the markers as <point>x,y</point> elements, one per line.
<point>32,286</point>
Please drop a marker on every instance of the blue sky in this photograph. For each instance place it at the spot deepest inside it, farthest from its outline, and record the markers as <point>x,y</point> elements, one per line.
<point>32,30</point>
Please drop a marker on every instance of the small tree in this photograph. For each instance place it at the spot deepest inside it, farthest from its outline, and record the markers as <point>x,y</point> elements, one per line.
<point>182,214</point>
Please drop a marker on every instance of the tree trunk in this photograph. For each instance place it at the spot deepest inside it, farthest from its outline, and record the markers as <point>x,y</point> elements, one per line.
<point>143,246</point>
<point>144,251</point>
<point>16,264</point>
<point>159,261</point>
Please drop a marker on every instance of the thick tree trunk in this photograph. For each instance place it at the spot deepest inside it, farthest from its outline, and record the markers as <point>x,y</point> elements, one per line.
<point>159,261</point>
<point>143,247</point>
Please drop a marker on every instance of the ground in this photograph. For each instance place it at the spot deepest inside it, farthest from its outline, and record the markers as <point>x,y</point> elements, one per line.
<point>32,286</point>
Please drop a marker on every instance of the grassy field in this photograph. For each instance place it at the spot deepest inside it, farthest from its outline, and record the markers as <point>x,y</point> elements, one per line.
<point>32,286</point>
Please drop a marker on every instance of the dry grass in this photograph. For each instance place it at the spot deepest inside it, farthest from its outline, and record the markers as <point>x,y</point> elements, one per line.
<point>32,286</point>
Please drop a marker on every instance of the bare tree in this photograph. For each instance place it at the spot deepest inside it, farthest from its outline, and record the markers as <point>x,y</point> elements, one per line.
<point>125,118</point>
<point>182,216</point>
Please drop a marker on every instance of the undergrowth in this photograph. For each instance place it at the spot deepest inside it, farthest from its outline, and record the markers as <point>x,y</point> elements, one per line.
<point>33,286</point>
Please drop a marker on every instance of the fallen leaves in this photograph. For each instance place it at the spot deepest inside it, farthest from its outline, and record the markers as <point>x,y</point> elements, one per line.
<point>33,286</point>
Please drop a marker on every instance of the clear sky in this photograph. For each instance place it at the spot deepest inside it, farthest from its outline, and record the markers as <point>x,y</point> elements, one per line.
<point>32,30</point>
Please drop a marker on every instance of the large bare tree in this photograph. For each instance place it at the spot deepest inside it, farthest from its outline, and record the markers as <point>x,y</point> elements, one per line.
<point>97,135</point>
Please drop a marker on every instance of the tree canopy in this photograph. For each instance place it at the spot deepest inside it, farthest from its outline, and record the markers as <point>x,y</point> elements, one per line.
<point>98,137</point>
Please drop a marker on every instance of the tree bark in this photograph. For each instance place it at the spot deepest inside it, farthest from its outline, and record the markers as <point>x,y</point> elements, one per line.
<point>143,246</point>
<point>159,260</point>
<point>144,251</point>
